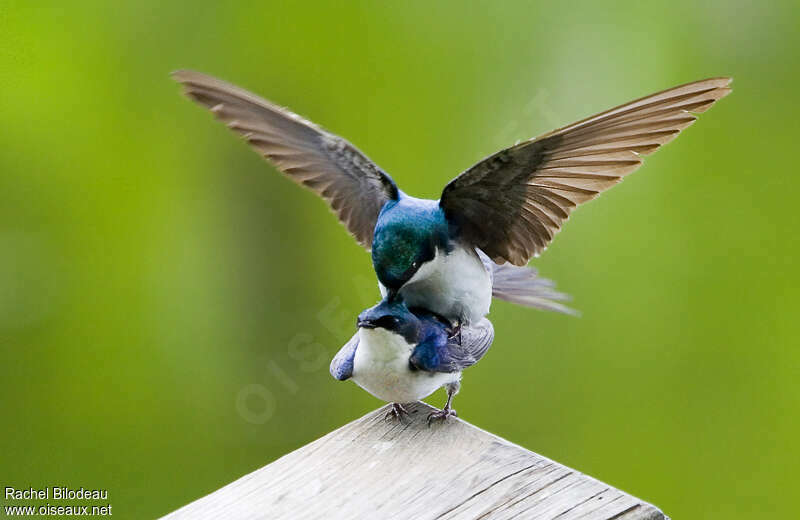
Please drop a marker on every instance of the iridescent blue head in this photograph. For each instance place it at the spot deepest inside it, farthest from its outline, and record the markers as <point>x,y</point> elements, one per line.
<point>408,234</point>
<point>392,315</point>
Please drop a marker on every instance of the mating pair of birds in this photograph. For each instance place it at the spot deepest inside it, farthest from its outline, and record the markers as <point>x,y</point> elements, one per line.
<point>440,262</point>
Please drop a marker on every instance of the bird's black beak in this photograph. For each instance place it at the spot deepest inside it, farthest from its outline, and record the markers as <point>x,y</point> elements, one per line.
<point>365,323</point>
<point>392,295</point>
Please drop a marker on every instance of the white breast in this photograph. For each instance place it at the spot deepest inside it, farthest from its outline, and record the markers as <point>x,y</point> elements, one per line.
<point>381,367</point>
<point>455,285</point>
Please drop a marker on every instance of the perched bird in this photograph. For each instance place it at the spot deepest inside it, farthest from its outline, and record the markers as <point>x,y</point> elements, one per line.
<point>401,356</point>
<point>507,206</point>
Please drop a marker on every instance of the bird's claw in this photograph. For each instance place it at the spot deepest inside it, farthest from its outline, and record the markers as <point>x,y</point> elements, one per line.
<point>397,412</point>
<point>455,330</point>
<point>442,414</point>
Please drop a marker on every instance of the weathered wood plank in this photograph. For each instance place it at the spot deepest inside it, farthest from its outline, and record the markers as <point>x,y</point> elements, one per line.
<point>377,469</point>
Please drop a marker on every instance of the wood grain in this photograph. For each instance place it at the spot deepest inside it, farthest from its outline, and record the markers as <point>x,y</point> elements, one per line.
<point>374,468</point>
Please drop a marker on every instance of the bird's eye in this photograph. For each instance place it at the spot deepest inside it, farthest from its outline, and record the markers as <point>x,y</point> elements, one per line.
<point>414,265</point>
<point>388,321</point>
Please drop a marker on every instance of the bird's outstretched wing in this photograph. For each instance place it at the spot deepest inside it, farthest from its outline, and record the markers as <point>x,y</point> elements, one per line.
<point>511,204</point>
<point>342,364</point>
<point>456,353</point>
<point>355,187</point>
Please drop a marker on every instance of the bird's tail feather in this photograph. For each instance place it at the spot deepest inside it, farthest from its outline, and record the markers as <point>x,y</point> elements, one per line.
<point>523,286</point>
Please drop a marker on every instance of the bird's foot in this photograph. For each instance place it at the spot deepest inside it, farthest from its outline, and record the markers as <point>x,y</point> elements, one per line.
<point>455,330</point>
<point>397,412</point>
<point>442,414</point>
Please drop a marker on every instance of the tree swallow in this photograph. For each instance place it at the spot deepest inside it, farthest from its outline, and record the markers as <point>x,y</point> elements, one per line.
<point>508,206</point>
<point>401,356</point>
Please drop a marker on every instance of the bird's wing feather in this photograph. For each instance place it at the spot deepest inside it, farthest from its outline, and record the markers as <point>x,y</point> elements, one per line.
<point>511,204</point>
<point>342,364</point>
<point>355,187</point>
<point>456,353</point>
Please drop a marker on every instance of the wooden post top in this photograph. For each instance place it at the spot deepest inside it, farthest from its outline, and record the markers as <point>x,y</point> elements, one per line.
<point>378,469</point>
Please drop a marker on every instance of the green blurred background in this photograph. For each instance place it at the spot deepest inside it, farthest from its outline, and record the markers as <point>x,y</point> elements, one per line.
<point>169,303</point>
